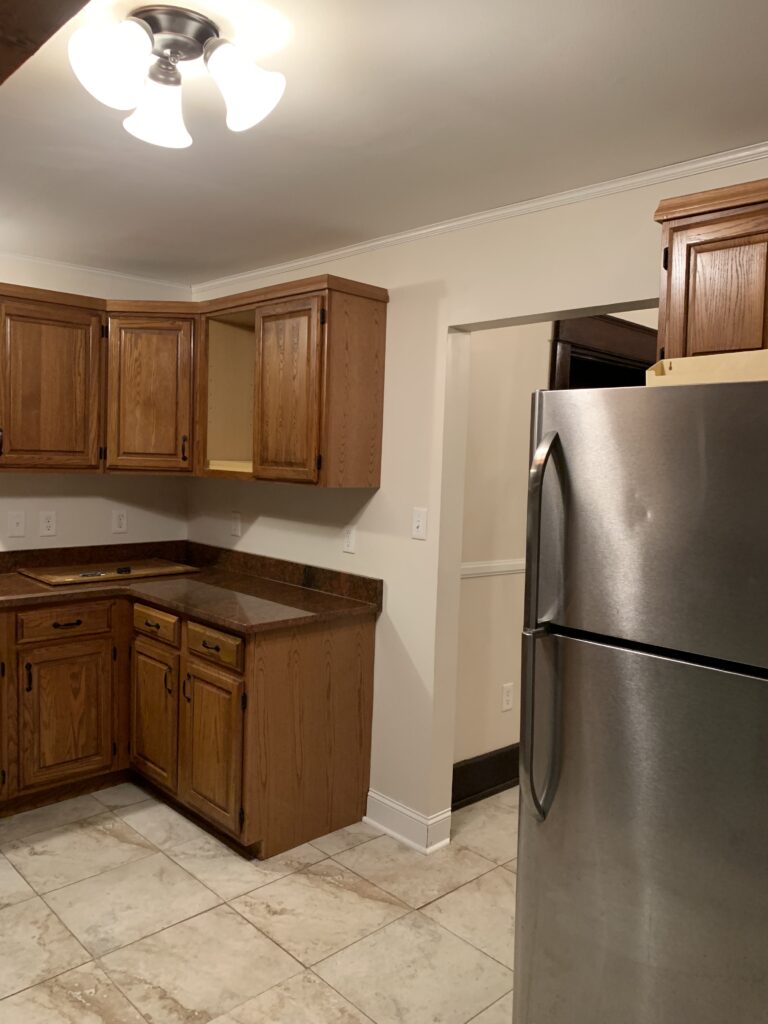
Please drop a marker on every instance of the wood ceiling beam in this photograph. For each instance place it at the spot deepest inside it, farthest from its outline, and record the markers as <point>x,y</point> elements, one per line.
<point>26,24</point>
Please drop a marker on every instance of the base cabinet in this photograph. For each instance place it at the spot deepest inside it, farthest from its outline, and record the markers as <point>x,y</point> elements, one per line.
<point>155,713</point>
<point>6,675</point>
<point>66,711</point>
<point>211,744</point>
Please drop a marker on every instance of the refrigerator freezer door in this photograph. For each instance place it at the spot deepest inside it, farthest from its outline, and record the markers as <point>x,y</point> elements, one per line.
<point>655,516</point>
<point>642,897</point>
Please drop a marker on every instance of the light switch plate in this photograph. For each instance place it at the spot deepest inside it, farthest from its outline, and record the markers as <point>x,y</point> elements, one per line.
<point>17,524</point>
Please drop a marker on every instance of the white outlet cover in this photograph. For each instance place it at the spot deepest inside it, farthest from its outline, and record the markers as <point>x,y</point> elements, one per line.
<point>419,524</point>
<point>17,524</point>
<point>350,540</point>
<point>47,524</point>
<point>236,527</point>
<point>507,696</point>
<point>119,520</point>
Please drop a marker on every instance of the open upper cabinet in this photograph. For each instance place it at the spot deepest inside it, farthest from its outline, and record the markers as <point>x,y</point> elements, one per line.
<point>284,383</point>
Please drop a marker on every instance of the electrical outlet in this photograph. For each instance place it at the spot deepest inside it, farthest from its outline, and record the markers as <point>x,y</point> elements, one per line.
<point>419,524</point>
<point>236,525</point>
<point>507,696</point>
<point>17,524</point>
<point>119,520</point>
<point>47,524</point>
<point>350,540</point>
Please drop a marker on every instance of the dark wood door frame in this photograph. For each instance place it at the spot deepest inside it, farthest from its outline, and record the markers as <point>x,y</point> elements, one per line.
<point>26,24</point>
<point>606,339</point>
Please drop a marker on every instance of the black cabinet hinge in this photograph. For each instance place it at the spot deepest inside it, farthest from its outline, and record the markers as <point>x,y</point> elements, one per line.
<point>102,454</point>
<point>114,749</point>
<point>104,331</point>
<point>662,355</point>
<point>114,654</point>
<point>3,776</point>
<point>319,461</point>
<point>323,317</point>
<point>2,670</point>
<point>665,258</point>
<point>244,701</point>
<point>241,818</point>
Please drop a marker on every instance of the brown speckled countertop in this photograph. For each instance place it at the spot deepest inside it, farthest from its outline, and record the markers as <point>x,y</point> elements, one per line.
<point>220,597</point>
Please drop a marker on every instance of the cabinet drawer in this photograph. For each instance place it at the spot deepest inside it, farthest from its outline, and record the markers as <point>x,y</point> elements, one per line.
<point>160,625</point>
<point>219,647</point>
<point>64,621</point>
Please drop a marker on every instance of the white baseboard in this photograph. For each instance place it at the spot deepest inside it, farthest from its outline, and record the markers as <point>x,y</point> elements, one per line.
<point>499,567</point>
<point>425,833</point>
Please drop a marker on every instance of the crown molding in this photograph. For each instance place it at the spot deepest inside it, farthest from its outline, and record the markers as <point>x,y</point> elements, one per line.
<point>656,176</point>
<point>79,268</point>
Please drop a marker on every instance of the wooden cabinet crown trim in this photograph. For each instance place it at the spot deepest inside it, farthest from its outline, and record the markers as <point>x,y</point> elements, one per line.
<point>713,200</point>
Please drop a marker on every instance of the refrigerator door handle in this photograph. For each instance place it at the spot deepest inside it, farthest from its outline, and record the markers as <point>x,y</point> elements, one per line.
<point>541,457</point>
<point>533,629</point>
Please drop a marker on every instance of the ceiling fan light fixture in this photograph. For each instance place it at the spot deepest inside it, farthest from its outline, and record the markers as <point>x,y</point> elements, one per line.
<point>250,92</point>
<point>159,119</point>
<point>111,61</point>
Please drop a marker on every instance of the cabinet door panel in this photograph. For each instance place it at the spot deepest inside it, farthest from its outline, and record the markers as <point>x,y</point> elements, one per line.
<point>5,709</point>
<point>154,713</point>
<point>150,394</point>
<point>49,395</point>
<point>211,745</point>
<point>716,295</point>
<point>66,711</point>
<point>286,419</point>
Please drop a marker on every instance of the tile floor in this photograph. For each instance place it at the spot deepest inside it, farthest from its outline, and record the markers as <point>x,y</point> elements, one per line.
<point>114,909</point>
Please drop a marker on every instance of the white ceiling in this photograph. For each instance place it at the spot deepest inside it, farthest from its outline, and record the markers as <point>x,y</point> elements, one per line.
<point>396,115</point>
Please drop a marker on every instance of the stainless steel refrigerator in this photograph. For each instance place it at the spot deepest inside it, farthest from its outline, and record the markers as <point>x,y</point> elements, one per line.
<point>642,893</point>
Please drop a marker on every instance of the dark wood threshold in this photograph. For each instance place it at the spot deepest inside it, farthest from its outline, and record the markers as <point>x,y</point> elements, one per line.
<point>484,775</point>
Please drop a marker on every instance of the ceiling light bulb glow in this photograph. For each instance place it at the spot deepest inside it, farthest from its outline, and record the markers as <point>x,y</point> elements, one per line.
<point>111,62</point>
<point>158,119</point>
<point>250,93</point>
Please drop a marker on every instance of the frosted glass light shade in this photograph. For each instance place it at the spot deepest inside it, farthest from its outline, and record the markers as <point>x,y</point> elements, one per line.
<point>112,61</point>
<point>158,119</point>
<point>250,92</point>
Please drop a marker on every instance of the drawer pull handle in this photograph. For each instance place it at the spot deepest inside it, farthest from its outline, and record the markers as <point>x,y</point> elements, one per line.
<point>151,624</point>
<point>184,441</point>
<point>211,647</point>
<point>68,625</point>
<point>28,668</point>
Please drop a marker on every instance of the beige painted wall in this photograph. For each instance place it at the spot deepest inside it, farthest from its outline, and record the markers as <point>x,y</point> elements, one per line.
<point>506,367</point>
<point>580,256</point>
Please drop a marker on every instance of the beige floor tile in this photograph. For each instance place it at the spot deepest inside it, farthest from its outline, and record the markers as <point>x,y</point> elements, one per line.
<point>18,826</point>
<point>129,902</point>
<point>292,860</point>
<point>36,946</point>
<point>121,796</point>
<point>13,888</point>
<point>83,996</point>
<point>199,969</point>
<point>304,999</point>
<point>414,971</point>
<point>50,860</point>
<point>218,867</point>
<point>413,877</point>
<point>483,913</point>
<point>488,828</point>
<point>510,797</point>
<point>499,1013</point>
<point>320,910</point>
<point>346,838</point>
<point>511,865</point>
<point>160,824</point>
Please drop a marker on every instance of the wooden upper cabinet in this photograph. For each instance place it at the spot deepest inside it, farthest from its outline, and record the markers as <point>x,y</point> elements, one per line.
<point>293,389</point>
<point>149,394</point>
<point>286,419</point>
<point>65,694</point>
<point>714,271</point>
<point>49,386</point>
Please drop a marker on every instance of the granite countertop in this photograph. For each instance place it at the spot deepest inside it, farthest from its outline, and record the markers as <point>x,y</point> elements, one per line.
<point>219,597</point>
